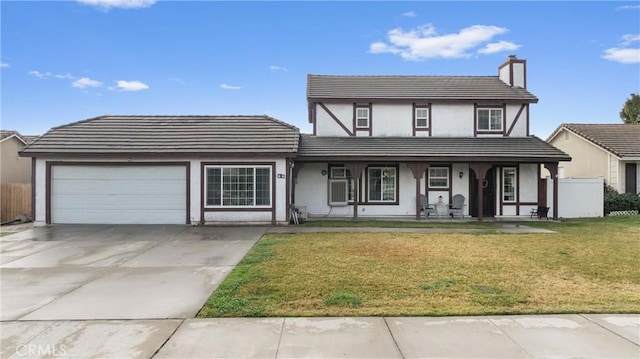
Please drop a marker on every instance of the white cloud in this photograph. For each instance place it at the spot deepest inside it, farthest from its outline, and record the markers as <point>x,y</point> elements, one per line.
<point>85,82</point>
<point>278,68</point>
<point>409,14</point>
<point>499,46</point>
<point>423,42</point>
<point>132,85</point>
<point>628,7</point>
<point>40,75</point>
<point>122,4</point>
<point>623,53</point>
<point>4,64</point>
<point>65,77</point>
<point>229,87</point>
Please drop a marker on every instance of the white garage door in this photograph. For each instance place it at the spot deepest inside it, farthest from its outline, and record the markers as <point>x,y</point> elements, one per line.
<point>118,194</point>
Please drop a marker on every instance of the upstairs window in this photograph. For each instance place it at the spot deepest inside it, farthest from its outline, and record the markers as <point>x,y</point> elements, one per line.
<point>422,117</point>
<point>439,177</point>
<point>362,117</point>
<point>489,119</point>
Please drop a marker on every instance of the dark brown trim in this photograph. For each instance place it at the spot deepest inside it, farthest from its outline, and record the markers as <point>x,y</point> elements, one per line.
<point>287,189</point>
<point>437,165</point>
<point>326,109</point>
<point>515,120</point>
<point>33,189</point>
<point>366,183</point>
<point>369,127</point>
<point>415,120</point>
<point>501,188</point>
<point>528,118</point>
<point>50,164</point>
<point>517,189</point>
<point>433,159</point>
<point>477,132</point>
<point>408,101</point>
<point>271,208</point>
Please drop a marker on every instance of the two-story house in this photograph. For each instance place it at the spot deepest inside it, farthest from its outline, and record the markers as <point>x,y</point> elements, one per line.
<point>379,142</point>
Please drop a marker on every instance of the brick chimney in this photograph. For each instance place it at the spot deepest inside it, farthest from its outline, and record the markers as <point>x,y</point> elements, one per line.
<point>514,72</point>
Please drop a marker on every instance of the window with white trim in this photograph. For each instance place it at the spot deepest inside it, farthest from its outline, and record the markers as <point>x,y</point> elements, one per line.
<point>422,117</point>
<point>489,119</point>
<point>509,184</point>
<point>382,184</point>
<point>238,186</point>
<point>362,117</point>
<point>438,177</point>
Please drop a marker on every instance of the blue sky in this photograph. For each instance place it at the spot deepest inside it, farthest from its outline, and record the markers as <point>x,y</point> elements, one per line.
<point>63,62</point>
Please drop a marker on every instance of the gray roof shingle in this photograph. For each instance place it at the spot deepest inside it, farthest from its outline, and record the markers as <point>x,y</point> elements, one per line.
<point>157,135</point>
<point>497,149</point>
<point>414,88</point>
<point>623,140</point>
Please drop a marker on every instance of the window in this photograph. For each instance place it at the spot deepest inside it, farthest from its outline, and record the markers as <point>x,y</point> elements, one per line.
<point>340,186</point>
<point>490,119</point>
<point>382,184</point>
<point>362,117</point>
<point>509,184</point>
<point>422,117</point>
<point>235,186</point>
<point>439,177</point>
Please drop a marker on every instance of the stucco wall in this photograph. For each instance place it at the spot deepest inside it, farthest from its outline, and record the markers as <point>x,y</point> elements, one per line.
<point>587,160</point>
<point>14,169</point>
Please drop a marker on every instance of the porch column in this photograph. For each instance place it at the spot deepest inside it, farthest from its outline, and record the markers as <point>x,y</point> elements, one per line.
<point>418,170</point>
<point>356,170</point>
<point>480,169</point>
<point>553,169</point>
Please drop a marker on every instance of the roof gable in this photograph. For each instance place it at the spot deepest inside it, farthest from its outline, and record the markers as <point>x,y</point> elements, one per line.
<point>623,140</point>
<point>158,135</point>
<point>414,87</point>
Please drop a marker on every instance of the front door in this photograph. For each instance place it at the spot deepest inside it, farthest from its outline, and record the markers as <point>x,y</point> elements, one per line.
<point>631,178</point>
<point>489,194</point>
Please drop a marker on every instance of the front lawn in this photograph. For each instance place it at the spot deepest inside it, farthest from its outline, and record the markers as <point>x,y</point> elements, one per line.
<point>588,266</point>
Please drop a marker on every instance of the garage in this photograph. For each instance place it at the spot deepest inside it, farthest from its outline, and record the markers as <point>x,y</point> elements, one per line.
<point>118,193</point>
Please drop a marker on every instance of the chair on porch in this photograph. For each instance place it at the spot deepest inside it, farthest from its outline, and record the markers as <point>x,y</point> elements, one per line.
<point>426,207</point>
<point>540,212</point>
<point>457,206</point>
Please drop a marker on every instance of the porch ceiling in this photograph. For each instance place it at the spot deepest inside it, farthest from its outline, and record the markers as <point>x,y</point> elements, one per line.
<point>429,149</point>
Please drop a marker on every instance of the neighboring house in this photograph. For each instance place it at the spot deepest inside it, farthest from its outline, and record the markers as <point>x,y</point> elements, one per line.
<point>599,150</point>
<point>379,142</point>
<point>14,169</point>
<point>164,169</point>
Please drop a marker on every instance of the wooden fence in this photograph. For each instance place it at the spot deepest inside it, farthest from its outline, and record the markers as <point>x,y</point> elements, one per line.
<point>16,201</point>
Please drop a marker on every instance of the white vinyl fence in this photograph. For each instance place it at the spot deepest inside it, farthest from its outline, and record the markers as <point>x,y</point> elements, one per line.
<point>577,197</point>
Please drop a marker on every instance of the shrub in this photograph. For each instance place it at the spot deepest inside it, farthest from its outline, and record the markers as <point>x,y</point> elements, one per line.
<point>614,201</point>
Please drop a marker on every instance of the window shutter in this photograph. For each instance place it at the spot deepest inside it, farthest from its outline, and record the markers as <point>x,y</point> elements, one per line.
<point>338,193</point>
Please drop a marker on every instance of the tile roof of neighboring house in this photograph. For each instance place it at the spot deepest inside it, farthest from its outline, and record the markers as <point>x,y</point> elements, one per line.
<point>496,149</point>
<point>168,135</point>
<point>623,140</point>
<point>4,134</point>
<point>414,87</point>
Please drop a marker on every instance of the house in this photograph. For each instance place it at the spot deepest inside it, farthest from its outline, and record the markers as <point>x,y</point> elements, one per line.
<point>13,168</point>
<point>380,142</point>
<point>611,151</point>
<point>165,170</point>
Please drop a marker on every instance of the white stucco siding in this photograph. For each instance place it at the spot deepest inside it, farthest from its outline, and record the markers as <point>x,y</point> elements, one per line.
<point>518,74</point>
<point>520,126</point>
<point>528,184</point>
<point>392,120</point>
<point>588,160</point>
<point>452,120</point>
<point>327,126</point>
<point>40,193</point>
<point>504,74</point>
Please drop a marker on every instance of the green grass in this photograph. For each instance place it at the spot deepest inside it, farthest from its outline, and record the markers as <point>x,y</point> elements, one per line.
<point>588,266</point>
<point>400,224</point>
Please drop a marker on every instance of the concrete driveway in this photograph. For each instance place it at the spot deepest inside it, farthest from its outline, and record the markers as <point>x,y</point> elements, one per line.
<point>79,272</point>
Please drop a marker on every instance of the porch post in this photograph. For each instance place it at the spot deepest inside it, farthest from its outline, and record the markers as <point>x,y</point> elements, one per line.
<point>418,170</point>
<point>553,169</point>
<point>356,170</point>
<point>480,169</point>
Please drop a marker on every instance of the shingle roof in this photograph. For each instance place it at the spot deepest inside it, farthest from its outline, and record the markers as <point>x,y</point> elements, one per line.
<point>414,87</point>
<point>158,135</point>
<point>497,149</point>
<point>623,140</point>
<point>25,138</point>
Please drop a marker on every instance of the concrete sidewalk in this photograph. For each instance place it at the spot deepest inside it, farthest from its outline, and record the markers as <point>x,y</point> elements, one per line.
<point>500,228</point>
<point>521,336</point>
